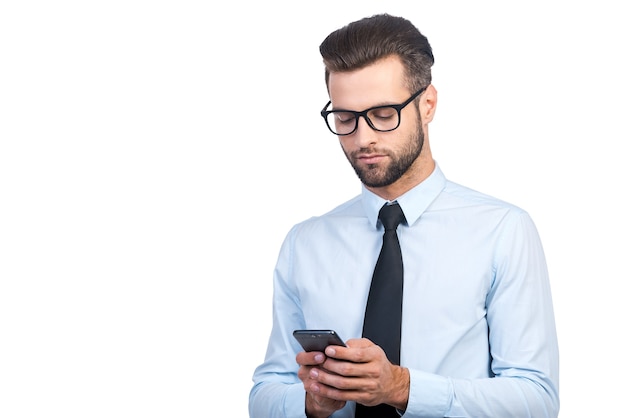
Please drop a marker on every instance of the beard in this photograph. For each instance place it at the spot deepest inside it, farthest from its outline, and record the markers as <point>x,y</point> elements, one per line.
<point>375,175</point>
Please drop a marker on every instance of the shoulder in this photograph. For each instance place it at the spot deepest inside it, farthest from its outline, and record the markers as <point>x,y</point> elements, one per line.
<point>456,194</point>
<point>336,218</point>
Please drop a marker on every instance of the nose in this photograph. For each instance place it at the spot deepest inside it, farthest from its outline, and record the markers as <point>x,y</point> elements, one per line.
<point>364,135</point>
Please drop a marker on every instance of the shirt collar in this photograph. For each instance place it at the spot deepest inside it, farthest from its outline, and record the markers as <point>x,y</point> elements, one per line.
<point>413,203</point>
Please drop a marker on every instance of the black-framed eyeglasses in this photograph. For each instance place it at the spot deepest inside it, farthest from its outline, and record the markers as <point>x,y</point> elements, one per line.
<point>380,118</point>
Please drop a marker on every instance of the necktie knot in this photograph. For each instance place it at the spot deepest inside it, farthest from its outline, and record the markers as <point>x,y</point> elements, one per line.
<point>391,216</point>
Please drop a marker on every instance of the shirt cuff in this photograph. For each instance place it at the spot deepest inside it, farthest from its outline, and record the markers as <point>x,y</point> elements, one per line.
<point>429,395</point>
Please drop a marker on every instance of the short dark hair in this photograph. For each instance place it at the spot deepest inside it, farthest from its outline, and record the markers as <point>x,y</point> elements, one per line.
<point>370,39</point>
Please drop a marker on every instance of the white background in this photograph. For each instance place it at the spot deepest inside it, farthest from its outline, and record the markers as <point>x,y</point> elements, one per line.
<point>153,155</point>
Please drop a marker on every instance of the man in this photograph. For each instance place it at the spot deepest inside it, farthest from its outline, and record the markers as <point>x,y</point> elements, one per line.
<point>478,336</point>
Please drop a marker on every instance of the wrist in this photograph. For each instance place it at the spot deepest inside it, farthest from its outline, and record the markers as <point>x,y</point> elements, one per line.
<point>309,405</point>
<point>401,387</point>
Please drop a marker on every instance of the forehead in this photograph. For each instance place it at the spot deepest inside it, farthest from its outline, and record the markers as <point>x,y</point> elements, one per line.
<point>377,84</point>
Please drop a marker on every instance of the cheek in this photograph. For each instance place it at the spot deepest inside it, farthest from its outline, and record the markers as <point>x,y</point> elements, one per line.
<point>410,123</point>
<point>347,145</point>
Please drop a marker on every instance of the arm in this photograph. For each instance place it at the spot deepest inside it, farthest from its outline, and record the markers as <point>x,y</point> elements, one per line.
<point>522,341</point>
<point>277,392</point>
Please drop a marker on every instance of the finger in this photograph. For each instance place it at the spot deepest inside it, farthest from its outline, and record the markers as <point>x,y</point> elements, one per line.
<point>340,388</point>
<point>362,351</point>
<point>336,386</point>
<point>359,343</point>
<point>311,358</point>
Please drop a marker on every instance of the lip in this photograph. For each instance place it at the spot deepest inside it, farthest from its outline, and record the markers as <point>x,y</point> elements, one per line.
<point>371,158</point>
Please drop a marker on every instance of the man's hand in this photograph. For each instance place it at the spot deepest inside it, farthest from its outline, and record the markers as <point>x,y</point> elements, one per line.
<point>316,406</point>
<point>360,372</point>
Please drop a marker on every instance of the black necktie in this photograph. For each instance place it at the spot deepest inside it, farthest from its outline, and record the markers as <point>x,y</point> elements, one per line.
<point>383,314</point>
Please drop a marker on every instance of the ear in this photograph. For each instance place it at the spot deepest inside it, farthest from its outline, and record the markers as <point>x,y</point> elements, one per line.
<point>428,104</point>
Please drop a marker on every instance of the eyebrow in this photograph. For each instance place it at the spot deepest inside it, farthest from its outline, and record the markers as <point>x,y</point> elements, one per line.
<point>387,103</point>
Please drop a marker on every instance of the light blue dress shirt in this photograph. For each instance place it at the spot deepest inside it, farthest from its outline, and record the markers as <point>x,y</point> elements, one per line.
<point>478,329</point>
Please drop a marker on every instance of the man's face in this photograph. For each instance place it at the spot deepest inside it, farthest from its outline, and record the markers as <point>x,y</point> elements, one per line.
<point>378,158</point>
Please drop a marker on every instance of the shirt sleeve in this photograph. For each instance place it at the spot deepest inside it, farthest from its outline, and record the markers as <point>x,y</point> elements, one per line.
<point>277,391</point>
<point>522,339</point>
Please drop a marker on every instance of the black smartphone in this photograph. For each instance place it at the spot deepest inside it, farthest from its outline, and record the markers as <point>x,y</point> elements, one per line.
<point>317,339</point>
